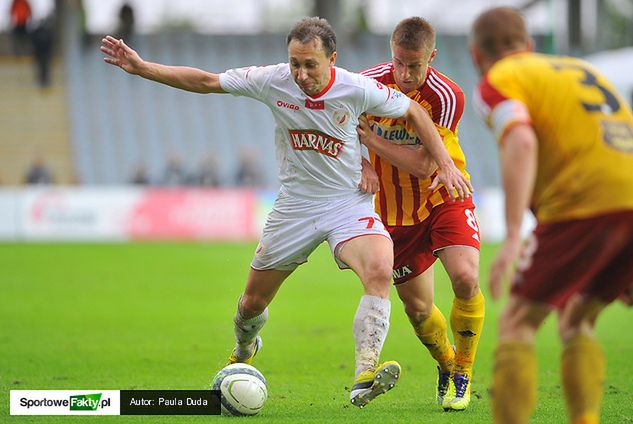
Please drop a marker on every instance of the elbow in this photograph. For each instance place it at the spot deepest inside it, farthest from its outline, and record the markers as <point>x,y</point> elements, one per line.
<point>211,84</point>
<point>426,172</point>
<point>421,172</point>
<point>426,166</point>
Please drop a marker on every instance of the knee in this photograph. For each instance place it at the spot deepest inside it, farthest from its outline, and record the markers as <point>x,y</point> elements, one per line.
<point>568,329</point>
<point>377,277</point>
<point>417,311</point>
<point>465,282</point>
<point>379,272</point>
<point>251,305</point>
<point>513,327</point>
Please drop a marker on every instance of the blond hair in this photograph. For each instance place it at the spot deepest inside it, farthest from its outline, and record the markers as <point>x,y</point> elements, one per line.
<point>414,33</point>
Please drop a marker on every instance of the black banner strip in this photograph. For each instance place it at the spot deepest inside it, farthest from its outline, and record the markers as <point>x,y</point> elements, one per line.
<point>170,402</point>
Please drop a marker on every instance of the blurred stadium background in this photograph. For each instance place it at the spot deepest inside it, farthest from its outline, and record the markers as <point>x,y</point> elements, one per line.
<point>109,143</point>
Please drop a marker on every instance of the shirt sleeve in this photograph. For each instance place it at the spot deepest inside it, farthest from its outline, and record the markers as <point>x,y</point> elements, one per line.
<point>381,100</point>
<point>499,111</point>
<point>251,81</point>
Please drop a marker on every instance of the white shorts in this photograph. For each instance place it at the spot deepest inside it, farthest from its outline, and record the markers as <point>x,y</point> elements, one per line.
<point>295,227</point>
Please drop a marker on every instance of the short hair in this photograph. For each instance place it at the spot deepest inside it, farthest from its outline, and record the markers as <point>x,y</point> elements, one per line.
<point>499,30</point>
<point>308,29</point>
<point>414,33</point>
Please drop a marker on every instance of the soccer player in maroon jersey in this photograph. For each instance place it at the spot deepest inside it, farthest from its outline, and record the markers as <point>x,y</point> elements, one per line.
<point>566,147</point>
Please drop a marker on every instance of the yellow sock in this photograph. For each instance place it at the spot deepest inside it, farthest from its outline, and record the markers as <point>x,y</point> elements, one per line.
<point>467,321</point>
<point>586,420</point>
<point>514,383</point>
<point>583,369</point>
<point>432,333</point>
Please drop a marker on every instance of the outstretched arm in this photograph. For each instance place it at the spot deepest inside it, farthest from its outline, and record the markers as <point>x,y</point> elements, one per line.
<point>448,174</point>
<point>182,77</point>
<point>415,160</point>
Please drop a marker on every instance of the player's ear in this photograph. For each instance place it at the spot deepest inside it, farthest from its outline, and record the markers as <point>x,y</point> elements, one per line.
<point>530,45</point>
<point>333,59</point>
<point>433,54</point>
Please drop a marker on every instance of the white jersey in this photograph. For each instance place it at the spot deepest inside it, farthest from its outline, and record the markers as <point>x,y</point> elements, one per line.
<point>318,151</point>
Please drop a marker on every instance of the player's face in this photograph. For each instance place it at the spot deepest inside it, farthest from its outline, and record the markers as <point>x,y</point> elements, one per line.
<point>410,66</point>
<point>310,66</point>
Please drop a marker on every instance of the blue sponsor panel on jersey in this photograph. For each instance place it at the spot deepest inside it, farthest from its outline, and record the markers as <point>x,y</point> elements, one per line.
<point>398,135</point>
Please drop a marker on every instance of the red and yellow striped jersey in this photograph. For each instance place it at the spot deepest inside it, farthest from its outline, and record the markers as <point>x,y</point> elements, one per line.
<point>584,130</point>
<point>404,199</point>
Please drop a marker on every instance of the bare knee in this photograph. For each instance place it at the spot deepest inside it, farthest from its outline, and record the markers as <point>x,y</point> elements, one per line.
<point>578,318</point>
<point>417,310</point>
<point>513,326</point>
<point>465,282</point>
<point>252,304</point>
<point>377,277</point>
<point>568,330</point>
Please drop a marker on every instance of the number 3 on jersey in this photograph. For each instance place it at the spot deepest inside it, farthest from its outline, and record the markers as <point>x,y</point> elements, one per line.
<point>616,132</point>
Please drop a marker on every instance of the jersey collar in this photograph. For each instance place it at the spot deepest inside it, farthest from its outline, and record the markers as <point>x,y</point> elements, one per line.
<point>328,86</point>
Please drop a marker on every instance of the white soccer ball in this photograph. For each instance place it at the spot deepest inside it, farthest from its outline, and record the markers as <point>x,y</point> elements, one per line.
<point>243,389</point>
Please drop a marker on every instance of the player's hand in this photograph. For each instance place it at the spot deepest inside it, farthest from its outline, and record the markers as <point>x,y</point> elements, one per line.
<point>502,266</point>
<point>363,129</point>
<point>369,182</point>
<point>454,181</point>
<point>119,54</point>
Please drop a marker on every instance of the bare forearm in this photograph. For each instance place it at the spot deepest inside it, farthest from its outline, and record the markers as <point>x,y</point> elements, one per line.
<point>415,160</point>
<point>518,168</point>
<point>182,77</point>
<point>426,131</point>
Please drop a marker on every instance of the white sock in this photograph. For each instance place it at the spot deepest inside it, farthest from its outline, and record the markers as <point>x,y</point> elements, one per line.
<point>371,324</point>
<point>245,332</point>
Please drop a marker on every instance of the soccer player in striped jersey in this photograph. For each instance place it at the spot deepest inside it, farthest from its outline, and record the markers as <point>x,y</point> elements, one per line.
<point>423,221</point>
<point>566,147</point>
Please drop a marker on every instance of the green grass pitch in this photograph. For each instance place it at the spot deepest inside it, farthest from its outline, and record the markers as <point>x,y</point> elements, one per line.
<point>159,316</point>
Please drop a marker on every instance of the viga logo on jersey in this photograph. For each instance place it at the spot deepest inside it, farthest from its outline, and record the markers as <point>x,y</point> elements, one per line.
<point>317,141</point>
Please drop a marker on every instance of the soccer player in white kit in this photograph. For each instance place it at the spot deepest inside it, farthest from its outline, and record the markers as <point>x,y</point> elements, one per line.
<point>316,108</point>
